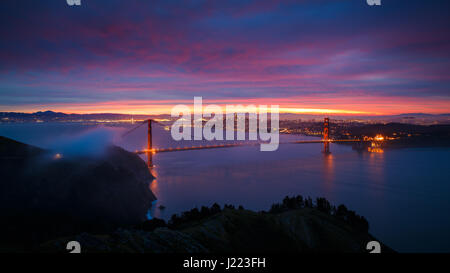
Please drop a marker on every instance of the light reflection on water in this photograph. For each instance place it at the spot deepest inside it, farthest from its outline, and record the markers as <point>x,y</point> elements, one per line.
<point>403,193</point>
<point>328,172</point>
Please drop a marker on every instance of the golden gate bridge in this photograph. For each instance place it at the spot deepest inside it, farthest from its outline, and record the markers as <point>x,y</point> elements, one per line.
<point>150,151</point>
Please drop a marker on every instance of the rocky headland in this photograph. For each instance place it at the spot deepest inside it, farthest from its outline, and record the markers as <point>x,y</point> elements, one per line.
<point>45,195</point>
<point>296,225</point>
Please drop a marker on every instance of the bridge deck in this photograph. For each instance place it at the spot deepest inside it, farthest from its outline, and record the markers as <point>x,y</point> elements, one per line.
<point>201,147</point>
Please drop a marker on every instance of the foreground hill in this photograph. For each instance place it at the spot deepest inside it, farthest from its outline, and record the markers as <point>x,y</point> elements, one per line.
<point>301,229</point>
<point>44,197</point>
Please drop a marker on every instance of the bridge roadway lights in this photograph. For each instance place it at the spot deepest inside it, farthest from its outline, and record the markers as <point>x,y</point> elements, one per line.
<point>150,150</point>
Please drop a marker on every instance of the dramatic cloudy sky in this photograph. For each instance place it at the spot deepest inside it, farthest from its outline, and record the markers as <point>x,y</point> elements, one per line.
<point>144,56</point>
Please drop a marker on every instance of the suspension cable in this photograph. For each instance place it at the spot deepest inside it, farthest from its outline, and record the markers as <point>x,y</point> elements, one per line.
<point>142,123</point>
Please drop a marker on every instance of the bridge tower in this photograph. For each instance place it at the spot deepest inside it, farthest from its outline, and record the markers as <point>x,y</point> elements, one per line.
<point>326,129</point>
<point>149,144</point>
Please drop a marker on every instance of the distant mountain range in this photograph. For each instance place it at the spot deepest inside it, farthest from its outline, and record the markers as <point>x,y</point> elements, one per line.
<point>58,116</point>
<point>50,116</point>
<point>411,118</point>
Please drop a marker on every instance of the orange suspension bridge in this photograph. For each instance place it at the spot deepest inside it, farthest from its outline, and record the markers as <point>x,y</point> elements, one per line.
<point>150,151</point>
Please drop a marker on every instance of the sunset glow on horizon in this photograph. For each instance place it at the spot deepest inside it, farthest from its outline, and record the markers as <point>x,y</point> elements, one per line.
<point>346,107</point>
